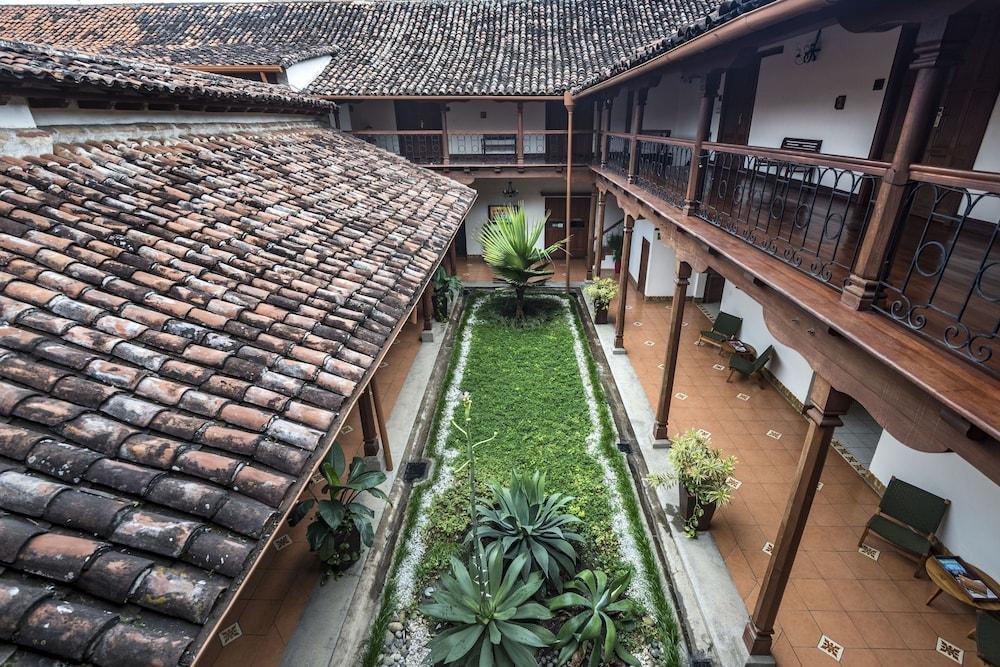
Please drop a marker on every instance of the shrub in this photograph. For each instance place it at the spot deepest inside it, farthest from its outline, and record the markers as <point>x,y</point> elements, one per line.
<point>602,292</point>
<point>604,612</point>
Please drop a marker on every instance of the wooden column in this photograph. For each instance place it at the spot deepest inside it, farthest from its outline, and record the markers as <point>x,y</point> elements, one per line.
<point>568,101</point>
<point>605,127</point>
<point>826,404</point>
<point>427,305</point>
<point>660,432</point>
<point>710,88</point>
<point>633,155</point>
<point>444,135</point>
<point>591,231</point>
<point>932,60</point>
<point>602,202</point>
<point>453,258</point>
<point>369,428</point>
<point>380,423</point>
<point>520,134</point>
<point>623,284</point>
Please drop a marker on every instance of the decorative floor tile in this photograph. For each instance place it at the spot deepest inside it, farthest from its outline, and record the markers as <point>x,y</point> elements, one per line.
<point>282,542</point>
<point>743,397</point>
<point>684,324</point>
<point>628,307</point>
<point>649,343</point>
<point>774,434</point>
<point>317,478</point>
<point>949,650</point>
<point>699,343</point>
<point>733,483</point>
<point>819,486</point>
<point>768,548</point>
<point>384,364</point>
<point>831,648</point>
<point>347,429</point>
<point>703,433</point>
<point>661,366</point>
<point>869,552</point>
<point>719,367</point>
<point>230,634</point>
<point>637,324</point>
<point>681,396</point>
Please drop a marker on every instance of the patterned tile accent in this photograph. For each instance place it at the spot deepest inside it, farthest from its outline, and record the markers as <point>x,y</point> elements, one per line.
<point>768,548</point>
<point>282,542</point>
<point>869,552</point>
<point>718,367</point>
<point>743,397</point>
<point>681,396</point>
<point>733,483</point>
<point>774,434</point>
<point>949,650</point>
<point>649,343</point>
<point>830,648</point>
<point>703,433</point>
<point>230,634</point>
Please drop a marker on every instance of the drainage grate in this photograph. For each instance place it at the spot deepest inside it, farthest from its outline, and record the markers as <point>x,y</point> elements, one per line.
<point>415,471</point>
<point>625,447</point>
<point>700,661</point>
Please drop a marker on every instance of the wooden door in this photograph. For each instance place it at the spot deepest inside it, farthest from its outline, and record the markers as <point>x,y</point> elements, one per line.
<point>555,226</point>
<point>714,286</point>
<point>420,148</point>
<point>643,266</point>
<point>738,97</point>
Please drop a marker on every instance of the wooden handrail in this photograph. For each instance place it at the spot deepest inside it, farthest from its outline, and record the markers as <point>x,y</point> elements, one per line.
<point>988,181</point>
<point>435,133</point>
<point>656,139</point>
<point>873,167</point>
<point>620,135</point>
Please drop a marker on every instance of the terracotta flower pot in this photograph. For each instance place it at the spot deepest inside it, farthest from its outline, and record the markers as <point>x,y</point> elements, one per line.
<point>686,506</point>
<point>601,316</point>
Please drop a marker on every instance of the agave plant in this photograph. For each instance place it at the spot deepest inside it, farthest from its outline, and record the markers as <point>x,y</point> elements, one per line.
<point>509,244</point>
<point>524,521</point>
<point>603,612</point>
<point>491,618</point>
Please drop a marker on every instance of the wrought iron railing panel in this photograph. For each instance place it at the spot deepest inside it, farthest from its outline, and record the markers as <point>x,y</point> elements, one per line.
<point>942,278</point>
<point>418,148</point>
<point>809,216</point>
<point>663,169</point>
<point>618,155</point>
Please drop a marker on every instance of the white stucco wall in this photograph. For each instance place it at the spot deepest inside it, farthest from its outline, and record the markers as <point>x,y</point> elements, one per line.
<point>673,105</point>
<point>988,159</point>
<point>971,528</point>
<point>16,114</point>
<point>798,100</point>
<point>612,214</point>
<point>662,270</point>
<point>466,125</point>
<point>301,74</point>
<point>529,192</point>
<point>74,116</point>
<point>791,369</point>
<point>371,115</point>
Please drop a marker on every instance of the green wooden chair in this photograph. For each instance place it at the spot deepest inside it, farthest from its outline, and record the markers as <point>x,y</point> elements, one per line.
<point>988,638</point>
<point>738,364</point>
<point>907,518</point>
<point>725,327</point>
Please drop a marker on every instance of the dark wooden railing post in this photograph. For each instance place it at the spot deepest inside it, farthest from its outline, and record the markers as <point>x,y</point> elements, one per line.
<point>623,285</point>
<point>633,156</point>
<point>605,128</point>
<point>826,404</point>
<point>427,305</point>
<point>520,134</point>
<point>568,101</point>
<point>445,151</point>
<point>591,231</point>
<point>383,432</point>
<point>710,88</point>
<point>602,201</point>
<point>660,434</point>
<point>369,428</point>
<point>932,60</point>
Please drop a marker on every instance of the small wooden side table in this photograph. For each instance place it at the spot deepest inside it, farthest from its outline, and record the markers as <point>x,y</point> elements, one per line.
<point>732,347</point>
<point>946,584</point>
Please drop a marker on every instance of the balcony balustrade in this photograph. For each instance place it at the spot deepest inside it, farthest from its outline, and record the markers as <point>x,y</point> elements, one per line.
<point>618,153</point>
<point>663,167</point>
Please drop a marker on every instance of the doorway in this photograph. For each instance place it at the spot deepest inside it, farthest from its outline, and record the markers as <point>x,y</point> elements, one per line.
<point>411,116</point>
<point>640,283</point>
<point>738,96</point>
<point>711,298</point>
<point>555,225</point>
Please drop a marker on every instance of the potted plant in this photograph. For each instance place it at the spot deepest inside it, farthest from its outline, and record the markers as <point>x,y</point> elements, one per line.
<point>615,245</point>
<point>446,290</point>
<point>341,524</point>
<point>702,475</point>
<point>601,292</point>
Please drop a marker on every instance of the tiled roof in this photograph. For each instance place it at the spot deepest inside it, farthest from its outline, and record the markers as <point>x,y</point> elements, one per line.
<point>44,67</point>
<point>181,324</point>
<point>388,47</point>
<point>722,13</point>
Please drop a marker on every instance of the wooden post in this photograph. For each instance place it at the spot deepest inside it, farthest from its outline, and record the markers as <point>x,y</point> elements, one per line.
<point>931,62</point>
<point>453,258</point>
<point>520,134</point>
<point>660,433</point>
<point>623,285</point>
<point>591,231</point>
<point>602,201</point>
<point>445,149</point>
<point>633,155</point>
<point>708,93</point>
<point>606,127</point>
<point>826,404</point>
<point>427,303</point>
<point>568,101</point>
<point>369,429</point>
<point>380,421</point>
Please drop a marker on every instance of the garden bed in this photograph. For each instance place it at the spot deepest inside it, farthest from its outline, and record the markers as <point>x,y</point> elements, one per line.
<point>535,385</point>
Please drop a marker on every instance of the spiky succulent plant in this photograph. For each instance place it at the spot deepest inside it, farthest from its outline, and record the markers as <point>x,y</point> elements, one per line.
<point>602,612</point>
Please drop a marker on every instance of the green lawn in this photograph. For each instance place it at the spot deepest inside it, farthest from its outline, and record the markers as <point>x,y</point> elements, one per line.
<point>526,385</point>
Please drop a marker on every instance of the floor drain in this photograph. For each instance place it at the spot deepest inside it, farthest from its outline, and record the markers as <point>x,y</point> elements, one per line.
<point>700,661</point>
<point>415,471</point>
<point>624,448</point>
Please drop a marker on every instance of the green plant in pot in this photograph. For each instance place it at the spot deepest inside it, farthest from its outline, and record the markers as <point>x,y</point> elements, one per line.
<point>600,615</point>
<point>615,242</point>
<point>601,292</point>
<point>701,473</point>
<point>341,524</point>
<point>446,290</point>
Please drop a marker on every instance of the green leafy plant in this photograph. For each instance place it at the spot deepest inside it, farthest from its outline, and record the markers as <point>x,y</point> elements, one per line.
<point>524,520</point>
<point>509,244</point>
<point>615,242</point>
<point>602,292</point>
<point>446,290</point>
<point>341,523</point>
<point>702,470</point>
<point>602,614</point>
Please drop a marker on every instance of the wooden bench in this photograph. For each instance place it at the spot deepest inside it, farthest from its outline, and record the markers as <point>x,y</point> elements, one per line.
<point>804,146</point>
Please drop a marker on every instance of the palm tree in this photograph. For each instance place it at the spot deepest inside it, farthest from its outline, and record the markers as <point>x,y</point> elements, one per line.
<point>510,248</point>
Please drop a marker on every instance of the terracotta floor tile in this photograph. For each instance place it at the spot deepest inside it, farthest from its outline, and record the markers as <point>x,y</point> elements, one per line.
<point>817,595</point>
<point>799,628</point>
<point>810,656</point>
<point>837,625</point>
<point>913,629</point>
<point>830,565</point>
<point>853,596</point>
<point>876,630</point>
<point>784,654</point>
<point>860,657</point>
